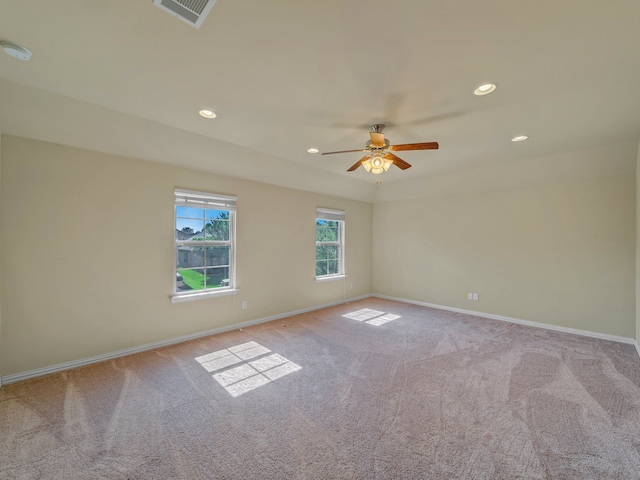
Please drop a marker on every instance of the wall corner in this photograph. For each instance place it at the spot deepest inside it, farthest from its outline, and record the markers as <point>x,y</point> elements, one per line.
<point>637,333</point>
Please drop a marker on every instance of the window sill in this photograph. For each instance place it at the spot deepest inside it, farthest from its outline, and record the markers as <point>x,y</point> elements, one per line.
<point>190,297</point>
<point>329,278</point>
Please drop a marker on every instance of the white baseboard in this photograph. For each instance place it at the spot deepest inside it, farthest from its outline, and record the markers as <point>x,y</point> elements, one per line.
<point>18,377</point>
<point>547,326</point>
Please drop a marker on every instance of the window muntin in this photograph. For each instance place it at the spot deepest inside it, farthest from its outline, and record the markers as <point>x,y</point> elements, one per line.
<point>329,243</point>
<point>204,242</point>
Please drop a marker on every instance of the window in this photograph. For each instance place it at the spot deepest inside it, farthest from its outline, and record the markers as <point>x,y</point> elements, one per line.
<point>204,242</point>
<point>329,243</point>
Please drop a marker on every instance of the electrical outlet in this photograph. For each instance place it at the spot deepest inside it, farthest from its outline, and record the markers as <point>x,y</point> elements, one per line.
<point>475,296</point>
<point>245,304</point>
<point>469,296</point>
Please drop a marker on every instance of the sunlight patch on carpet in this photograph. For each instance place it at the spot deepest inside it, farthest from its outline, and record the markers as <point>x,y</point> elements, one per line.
<point>389,317</point>
<point>249,375</point>
<point>372,317</point>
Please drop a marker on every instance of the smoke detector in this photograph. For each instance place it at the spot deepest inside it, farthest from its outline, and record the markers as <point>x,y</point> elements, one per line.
<point>192,12</point>
<point>16,51</point>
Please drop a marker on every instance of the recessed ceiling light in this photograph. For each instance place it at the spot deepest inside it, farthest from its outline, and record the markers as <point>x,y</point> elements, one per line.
<point>485,89</point>
<point>520,138</point>
<point>207,113</point>
<point>312,150</point>
<point>16,51</point>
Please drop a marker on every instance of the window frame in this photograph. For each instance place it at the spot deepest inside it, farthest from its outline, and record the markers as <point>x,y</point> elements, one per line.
<point>211,201</point>
<point>337,216</point>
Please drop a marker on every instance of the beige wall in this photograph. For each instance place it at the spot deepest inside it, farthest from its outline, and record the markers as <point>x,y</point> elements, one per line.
<point>558,253</point>
<point>86,264</point>
<point>87,253</point>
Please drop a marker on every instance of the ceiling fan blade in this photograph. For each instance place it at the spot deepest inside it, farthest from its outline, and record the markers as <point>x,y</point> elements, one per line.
<point>397,161</point>
<point>345,151</point>
<point>415,146</point>
<point>357,164</point>
<point>377,139</point>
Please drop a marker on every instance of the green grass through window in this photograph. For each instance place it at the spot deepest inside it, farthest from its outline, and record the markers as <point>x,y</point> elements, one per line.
<point>195,280</point>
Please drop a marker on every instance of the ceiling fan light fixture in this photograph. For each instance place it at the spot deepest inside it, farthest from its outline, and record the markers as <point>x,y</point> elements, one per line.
<point>312,150</point>
<point>485,89</point>
<point>376,164</point>
<point>206,113</point>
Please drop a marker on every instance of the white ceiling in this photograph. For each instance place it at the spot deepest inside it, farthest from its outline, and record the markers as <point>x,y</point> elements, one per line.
<point>125,77</point>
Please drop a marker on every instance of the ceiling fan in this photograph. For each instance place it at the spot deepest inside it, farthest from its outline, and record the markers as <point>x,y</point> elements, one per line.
<point>379,157</point>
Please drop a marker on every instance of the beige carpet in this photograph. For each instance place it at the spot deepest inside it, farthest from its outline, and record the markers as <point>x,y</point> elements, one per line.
<point>390,391</point>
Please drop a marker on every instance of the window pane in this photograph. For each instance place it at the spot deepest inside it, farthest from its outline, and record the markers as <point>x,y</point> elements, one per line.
<point>321,252</point>
<point>333,234</point>
<point>331,252</point>
<point>187,229</point>
<point>217,230</point>
<point>321,233</point>
<point>215,214</point>
<point>190,257</point>
<point>190,212</point>
<point>321,268</point>
<point>189,279</point>
<point>180,285</point>
<point>217,256</point>
<point>217,277</point>
<point>332,267</point>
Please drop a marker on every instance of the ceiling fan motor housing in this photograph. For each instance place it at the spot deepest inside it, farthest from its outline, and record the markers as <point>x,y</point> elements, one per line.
<point>370,145</point>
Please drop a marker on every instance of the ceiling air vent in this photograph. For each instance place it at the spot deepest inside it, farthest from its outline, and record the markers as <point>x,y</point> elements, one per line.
<point>192,12</point>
